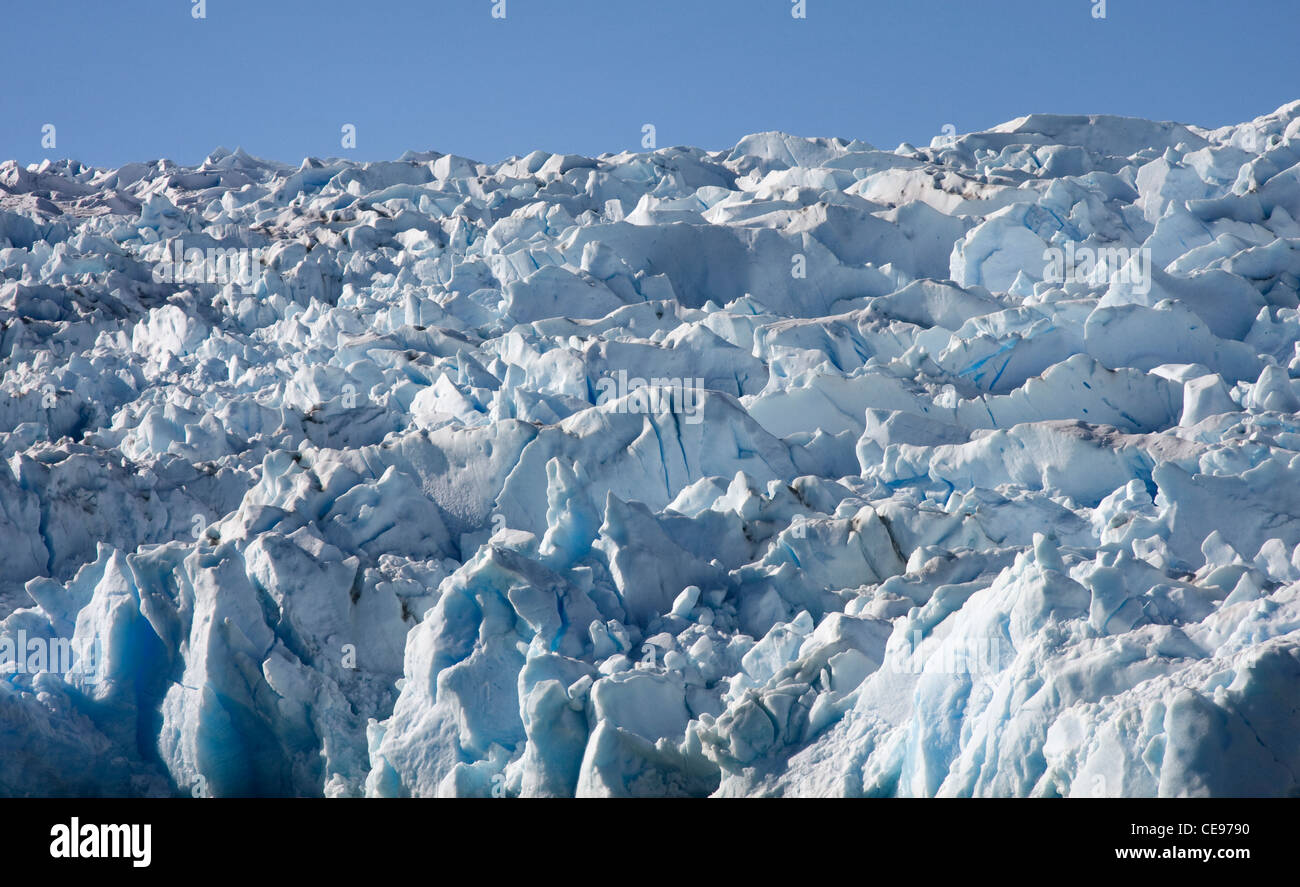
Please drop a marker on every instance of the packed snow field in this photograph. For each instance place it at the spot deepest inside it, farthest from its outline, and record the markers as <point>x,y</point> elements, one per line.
<point>802,468</point>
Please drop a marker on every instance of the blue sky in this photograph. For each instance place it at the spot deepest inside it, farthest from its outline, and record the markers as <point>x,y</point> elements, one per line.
<point>141,79</point>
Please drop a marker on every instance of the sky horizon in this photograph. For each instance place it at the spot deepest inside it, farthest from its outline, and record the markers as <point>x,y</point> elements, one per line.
<point>139,81</point>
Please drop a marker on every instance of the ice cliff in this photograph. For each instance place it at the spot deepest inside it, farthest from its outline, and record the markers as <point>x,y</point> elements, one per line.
<point>801,468</point>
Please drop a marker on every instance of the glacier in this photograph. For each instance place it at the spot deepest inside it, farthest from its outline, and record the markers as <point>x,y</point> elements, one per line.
<point>801,468</point>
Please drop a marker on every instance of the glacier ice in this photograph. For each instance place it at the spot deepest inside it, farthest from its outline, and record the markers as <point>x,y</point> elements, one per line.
<point>799,468</point>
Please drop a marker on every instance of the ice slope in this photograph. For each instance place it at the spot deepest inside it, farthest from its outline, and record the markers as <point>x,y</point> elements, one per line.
<point>903,510</point>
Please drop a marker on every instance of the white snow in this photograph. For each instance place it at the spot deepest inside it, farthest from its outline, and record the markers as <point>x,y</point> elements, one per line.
<point>800,468</point>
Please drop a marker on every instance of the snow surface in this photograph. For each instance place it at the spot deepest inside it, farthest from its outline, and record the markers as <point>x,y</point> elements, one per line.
<point>390,515</point>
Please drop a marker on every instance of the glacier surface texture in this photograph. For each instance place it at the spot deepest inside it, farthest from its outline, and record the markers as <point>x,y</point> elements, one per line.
<point>800,468</point>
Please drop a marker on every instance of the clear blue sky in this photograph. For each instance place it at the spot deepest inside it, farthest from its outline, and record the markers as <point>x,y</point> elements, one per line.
<point>130,80</point>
